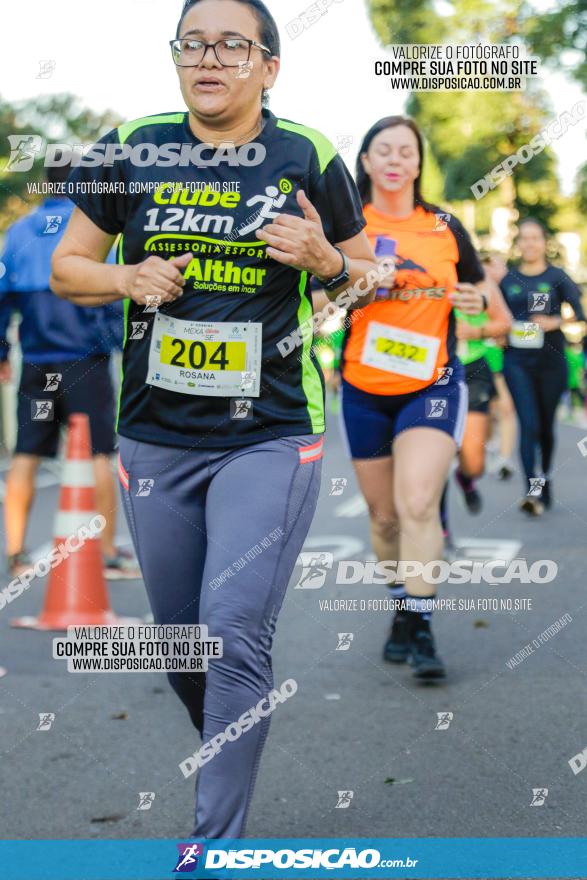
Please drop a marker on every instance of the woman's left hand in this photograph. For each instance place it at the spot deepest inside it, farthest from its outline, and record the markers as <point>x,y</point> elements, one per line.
<point>301,243</point>
<point>468,299</point>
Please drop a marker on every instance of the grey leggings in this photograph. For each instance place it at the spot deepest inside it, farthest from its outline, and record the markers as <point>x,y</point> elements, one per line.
<point>192,528</point>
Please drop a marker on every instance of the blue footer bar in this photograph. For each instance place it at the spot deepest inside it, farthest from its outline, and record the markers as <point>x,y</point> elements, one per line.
<point>439,858</point>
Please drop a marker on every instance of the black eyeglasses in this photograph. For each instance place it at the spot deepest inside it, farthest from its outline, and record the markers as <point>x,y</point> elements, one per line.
<point>229,53</point>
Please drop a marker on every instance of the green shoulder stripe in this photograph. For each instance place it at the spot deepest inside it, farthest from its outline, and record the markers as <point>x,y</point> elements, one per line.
<point>325,150</point>
<point>125,131</point>
<point>310,377</point>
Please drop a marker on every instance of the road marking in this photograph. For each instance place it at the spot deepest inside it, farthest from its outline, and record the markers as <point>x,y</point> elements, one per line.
<point>486,549</point>
<point>355,506</point>
<point>577,420</point>
<point>344,547</point>
<point>341,546</point>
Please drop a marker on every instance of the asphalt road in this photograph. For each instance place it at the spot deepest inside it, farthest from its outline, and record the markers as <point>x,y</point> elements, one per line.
<point>356,723</point>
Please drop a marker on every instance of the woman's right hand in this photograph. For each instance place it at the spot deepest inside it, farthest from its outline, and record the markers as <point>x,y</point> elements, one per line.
<point>156,280</point>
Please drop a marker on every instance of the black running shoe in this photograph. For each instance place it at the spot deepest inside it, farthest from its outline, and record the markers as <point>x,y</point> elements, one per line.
<point>396,649</point>
<point>505,473</point>
<point>546,496</point>
<point>423,657</point>
<point>470,493</point>
<point>473,500</point>
<point>532,506</point>
<point>18,563</point>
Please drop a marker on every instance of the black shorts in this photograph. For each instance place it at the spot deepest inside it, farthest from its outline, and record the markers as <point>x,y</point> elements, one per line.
<point>373,421</point>
<point>45,403</point>
<point>482,390</point>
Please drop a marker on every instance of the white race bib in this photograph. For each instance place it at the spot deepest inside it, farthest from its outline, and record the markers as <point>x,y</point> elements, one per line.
<point>524,334</point>
<point>205,358</point>
<point>400,351</point>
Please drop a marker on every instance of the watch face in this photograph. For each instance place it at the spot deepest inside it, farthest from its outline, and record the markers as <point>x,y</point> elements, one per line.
<point>338,281</point>
<point>343,277</point>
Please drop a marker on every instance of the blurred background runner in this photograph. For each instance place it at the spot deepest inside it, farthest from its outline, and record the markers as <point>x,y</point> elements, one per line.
<point>535,367</point>
<point>66,368</point>
<point>503,427</point>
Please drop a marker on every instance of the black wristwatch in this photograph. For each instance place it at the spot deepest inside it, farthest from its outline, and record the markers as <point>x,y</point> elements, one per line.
<point>342,278</point>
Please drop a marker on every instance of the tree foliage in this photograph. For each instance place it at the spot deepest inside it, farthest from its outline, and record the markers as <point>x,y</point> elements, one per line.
<point>560,37</point>
<point>471,132</point>
<point>57,119</point>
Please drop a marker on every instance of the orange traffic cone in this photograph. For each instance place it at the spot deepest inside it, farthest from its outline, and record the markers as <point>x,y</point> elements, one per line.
<point>76,591</point>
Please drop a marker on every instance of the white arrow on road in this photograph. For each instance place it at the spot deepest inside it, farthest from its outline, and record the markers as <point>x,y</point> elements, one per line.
<point>341,546</point>
<point>355,506</point>
<point>486,549</point>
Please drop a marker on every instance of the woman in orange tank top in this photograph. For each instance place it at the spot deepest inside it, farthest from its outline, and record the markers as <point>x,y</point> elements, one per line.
<point>404,399</point>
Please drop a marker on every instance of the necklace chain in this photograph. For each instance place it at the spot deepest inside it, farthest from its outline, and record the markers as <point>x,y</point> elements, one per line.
<point>257,129</point>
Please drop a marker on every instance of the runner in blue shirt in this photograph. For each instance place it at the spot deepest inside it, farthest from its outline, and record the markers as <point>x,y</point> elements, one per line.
<point>65,360</point>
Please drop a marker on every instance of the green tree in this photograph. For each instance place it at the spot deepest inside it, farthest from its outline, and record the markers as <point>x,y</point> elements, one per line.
<point>560,37</point>
<point>472,132</point>
<point>582,188</point>
<point>57,119</point>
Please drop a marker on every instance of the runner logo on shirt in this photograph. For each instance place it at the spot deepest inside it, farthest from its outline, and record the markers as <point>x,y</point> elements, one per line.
<point>271,200</point>
<point>442,221</point>
<point>539,301</point>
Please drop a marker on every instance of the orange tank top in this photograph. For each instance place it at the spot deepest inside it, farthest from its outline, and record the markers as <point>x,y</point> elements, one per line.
<point>402,345</point>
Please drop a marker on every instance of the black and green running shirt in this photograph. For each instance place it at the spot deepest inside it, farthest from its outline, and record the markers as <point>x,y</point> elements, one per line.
<point>205,370</point>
